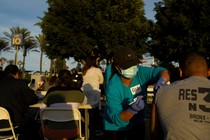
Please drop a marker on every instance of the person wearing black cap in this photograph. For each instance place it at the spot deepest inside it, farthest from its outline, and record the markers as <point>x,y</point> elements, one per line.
<point>16,97</point>
<point>126,95</point>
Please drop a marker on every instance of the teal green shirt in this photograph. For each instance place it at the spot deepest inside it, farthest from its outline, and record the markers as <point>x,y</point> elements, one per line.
<point>108,72</point>
<point>118,97</point>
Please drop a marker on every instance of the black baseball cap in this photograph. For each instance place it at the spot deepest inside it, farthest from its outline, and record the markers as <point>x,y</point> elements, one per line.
<point>125,58</point>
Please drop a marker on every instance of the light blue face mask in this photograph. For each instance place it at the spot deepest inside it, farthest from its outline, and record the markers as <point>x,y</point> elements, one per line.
<point>130,72</point>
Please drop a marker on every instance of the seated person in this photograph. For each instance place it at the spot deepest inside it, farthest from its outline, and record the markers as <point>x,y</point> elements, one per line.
<point>65,95</point>
<point>181,111</point>
<point>65,92</point>
<point>48,84</point>
<point>16,97</point>
<point>33,85</point>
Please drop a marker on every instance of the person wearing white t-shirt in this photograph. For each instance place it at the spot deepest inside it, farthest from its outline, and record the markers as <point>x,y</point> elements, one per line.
<point>92,78</point>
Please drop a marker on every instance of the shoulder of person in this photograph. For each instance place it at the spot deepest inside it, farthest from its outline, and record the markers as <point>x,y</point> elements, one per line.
<point>171,86</point>
<point>22,81</point>
<point>98,69</point>
<point>51,89</point>
<point>65,92</point>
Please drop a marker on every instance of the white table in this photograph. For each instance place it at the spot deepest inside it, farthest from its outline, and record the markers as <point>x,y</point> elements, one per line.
<point>86,119</point>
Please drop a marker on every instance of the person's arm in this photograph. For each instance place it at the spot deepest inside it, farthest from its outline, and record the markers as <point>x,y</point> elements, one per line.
<point>30,96</point>
<point>85,100</point>
<point>133,109</point>
<point>101,77</point>
<point>156,130</point>
<point>126,115</point>
<point>164,74</point>
<point>163,79</point>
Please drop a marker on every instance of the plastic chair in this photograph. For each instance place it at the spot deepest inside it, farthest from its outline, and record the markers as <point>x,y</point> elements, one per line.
<point>61,123</point>
<point>4,115</point>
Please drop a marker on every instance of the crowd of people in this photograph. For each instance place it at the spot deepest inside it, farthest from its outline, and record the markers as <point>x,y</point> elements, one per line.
<point>180,110</point>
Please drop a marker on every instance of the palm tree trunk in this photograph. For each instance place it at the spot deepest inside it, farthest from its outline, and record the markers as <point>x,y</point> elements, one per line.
<point>16,55</point>
<point>64,64</point>
<point>23,68</point>
<point>41,58</point>
<point>51,70</point>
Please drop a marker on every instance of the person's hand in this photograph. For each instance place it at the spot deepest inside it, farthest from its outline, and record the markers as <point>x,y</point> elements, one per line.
<point>137,105</point>
<point>160,82</point>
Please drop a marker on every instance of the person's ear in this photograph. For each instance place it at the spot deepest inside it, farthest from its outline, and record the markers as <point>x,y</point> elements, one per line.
<point>180,72</point>
<point>208,72</point>
<point>16,76</point>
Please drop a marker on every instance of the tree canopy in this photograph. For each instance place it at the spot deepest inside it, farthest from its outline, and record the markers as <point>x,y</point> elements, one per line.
<point>3,45</point>
<point>88,27</point>
<point>181,26</point>
<point>28,45</point>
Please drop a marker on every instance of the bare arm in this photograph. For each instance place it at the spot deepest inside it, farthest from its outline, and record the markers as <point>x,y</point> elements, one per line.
<point>164,74</point>
<point>156,131</point>
<point>126,115</point>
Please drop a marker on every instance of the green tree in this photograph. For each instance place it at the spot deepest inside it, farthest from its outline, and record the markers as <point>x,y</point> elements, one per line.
<point>41,43</point>
<point>182,26</point>
<point>29,43</point>
<point>2,61</point>
<point>82,28</point>
<point>4,45</point>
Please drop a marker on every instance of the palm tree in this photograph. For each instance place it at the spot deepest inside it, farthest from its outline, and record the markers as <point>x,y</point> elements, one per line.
<point>2,61</point>
<point>29,45</point>
<point>3,45</point>
<point>41,43</point>
<point>29,42</point>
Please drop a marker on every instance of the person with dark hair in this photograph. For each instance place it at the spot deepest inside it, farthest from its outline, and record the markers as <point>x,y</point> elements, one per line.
<point>65,92</point>
<point>92,78</point>
<point>108,71</point>
<point>126,95</point>
<point>33,85</point>
<point>1,73</point>
<point>16,97</point>
<point>181,110</point>
<point>48,84</point>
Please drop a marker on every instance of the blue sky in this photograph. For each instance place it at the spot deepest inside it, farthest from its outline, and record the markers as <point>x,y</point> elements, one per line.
<point>24,13</point>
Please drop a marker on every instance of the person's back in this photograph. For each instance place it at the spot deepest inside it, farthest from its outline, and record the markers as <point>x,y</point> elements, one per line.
<point>92,78</point>
<point>33,85</point>
<point>64,92</point>
<point>48,84</point>
<point>64,98</point>
<point>183,106</point>
<point>16,97</point>
<point>64,95</point>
